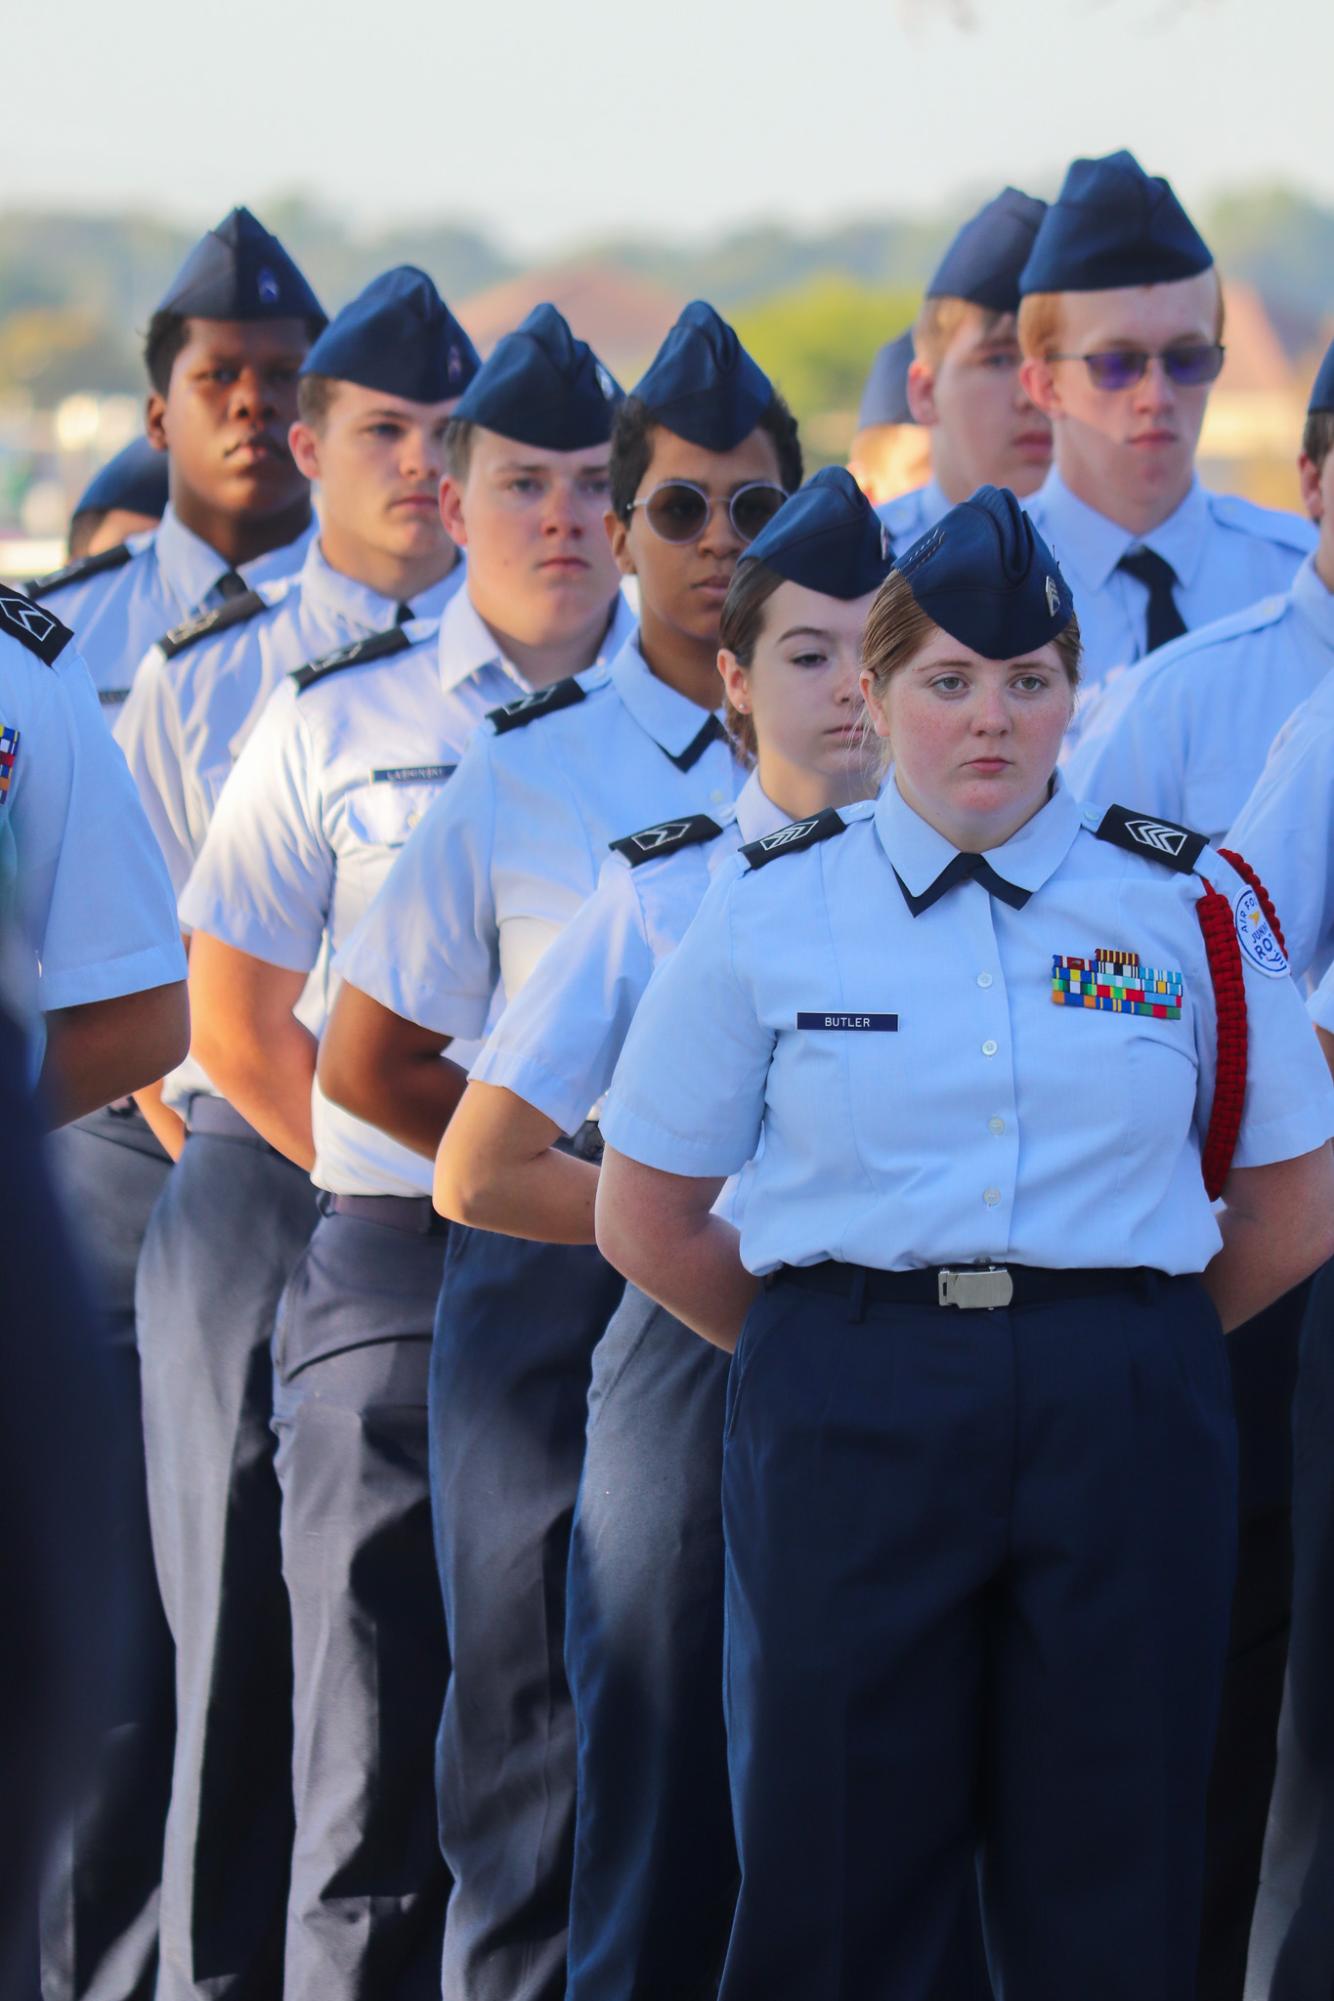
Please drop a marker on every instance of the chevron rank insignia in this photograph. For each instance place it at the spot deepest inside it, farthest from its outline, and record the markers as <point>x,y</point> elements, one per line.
<point>376,646</point>
<point>9,752</point>
<point>33,626</point>
<point>542,702</point>
<point>204,624</point>
<point>1144,834</point>
<point>666,838</point>
<point>790,840</point>
<point>1115,982</point>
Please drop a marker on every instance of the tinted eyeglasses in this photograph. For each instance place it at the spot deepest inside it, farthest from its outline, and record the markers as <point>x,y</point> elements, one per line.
<point>1189,365</point>
<point>679,511</point>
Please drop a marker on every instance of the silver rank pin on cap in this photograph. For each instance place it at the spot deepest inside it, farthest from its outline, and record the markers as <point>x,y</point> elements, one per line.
<point>1053,596</point>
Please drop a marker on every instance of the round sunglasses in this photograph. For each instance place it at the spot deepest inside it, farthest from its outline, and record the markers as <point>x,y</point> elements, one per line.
<point>1188,365</point>
<point>679,511</point>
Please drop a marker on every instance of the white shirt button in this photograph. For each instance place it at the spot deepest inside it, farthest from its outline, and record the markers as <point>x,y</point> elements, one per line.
<point>717,798</point>
<point>991,1196</point>
<point>989,1047</point>
<point>984,979</point>
<point>995,1125</point>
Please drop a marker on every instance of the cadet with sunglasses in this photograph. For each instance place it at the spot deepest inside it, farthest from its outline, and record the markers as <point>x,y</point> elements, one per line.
<point>655,1862</point>
<point>1121,326</point>
<point>488,880</point>
<point>1188,730</point>
<point>963,383</point>
<point>978,1473</point>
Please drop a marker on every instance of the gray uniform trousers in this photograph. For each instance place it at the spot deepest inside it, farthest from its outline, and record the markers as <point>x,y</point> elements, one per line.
<point>231,1222</point>
<point>99,1920</point>
<point>366,1910</point>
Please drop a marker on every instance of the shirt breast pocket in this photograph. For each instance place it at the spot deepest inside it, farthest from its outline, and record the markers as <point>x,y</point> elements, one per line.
<point>385,813</point>
<point>1163,1080</point>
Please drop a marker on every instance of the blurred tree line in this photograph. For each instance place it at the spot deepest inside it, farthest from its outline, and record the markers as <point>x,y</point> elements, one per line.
<point>76,290</point>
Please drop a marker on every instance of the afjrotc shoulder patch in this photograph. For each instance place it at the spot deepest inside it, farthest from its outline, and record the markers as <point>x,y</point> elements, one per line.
<point>1115,982</point>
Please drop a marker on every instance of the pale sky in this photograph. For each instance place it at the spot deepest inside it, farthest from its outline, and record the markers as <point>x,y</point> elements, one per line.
<point>552,124</point>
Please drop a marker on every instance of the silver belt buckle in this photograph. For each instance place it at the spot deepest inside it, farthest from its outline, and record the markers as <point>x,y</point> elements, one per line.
<point>985,1286</point>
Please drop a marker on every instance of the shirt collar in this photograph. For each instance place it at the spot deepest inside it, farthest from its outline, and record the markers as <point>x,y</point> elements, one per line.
<point>756,814</point>
<point>1088,545</point>
<point>190,568</point>
<point>1314,601</point>
<point>342,600</point>
<point>468,646</point>
<point>671,719</point>
<point>918,853</point>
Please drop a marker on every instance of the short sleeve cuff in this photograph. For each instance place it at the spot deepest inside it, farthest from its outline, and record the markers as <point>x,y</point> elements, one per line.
<point>1287,1138</point>
<point>671,1153</point>
<point>110,979</point>
<point>462,1017</point>
<point>286,948</point>
<point>560,1099</point>
<point>1320,1007</point>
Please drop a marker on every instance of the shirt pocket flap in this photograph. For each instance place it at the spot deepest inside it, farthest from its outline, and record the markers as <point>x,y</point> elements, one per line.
<point>385,811</point>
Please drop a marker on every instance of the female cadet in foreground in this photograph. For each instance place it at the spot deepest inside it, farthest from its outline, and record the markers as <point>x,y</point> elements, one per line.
<point>978,1561</point>
<point>655,1863</point>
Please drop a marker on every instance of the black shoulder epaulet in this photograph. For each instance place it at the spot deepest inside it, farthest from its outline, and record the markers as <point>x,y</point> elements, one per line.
<point>791,839</point>
<point>81,567</point>
<point>1145,834</point>
<point>204,624</point>
<point>375,646</point>
<point>33,626</point>
<point>543,702</point>
<point>666,838</point>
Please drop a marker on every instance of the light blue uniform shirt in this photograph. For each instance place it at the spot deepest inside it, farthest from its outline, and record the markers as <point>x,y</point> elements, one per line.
<point>557,1043</point>
<point>1320,1007</point>
<point>503,861</point>
<point>978,1122</point>
<point>1286,830</point>
<point>190,712</point>
<point>116,615</point>
<point>326,792</point>
<point>91,905</point>
<point>908,515</point>
<point>1227,554</point>
<point>1185,734</point>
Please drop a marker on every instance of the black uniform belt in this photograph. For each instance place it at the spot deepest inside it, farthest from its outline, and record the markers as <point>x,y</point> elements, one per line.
<point>966,1286</point>
<point>205,1114</point>
<point>412,1214</point>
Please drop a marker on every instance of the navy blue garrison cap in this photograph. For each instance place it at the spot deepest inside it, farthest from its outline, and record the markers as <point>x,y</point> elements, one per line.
<point>239,272</point>
<point>1322,394</point>
<point>136,479</point>
<point>983,262</point>
<point>827,537</point>
<point>400,337</point>
<point>702,385</point>
<point>1112,224</point>
<point>986,576</point>
<point>885,397</point>
<point>542,387</point>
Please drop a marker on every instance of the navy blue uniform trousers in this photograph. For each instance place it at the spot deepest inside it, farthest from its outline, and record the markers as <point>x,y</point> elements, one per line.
<point>979,1568</point>
<point>514,1337</point>
<point>1292,1945</point>
<point>100,1902</point>
<point>1263,1358</point>
<point>655,1870</point>
<point>366,1907</point>
<point>230,1224</point>
<point>655,1867</point>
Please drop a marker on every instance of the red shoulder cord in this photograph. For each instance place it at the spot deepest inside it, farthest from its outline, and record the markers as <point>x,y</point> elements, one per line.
<point>1224,954</point>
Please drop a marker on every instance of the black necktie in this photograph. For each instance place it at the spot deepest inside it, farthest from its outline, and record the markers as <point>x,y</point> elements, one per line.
<point>404,613</point>
<point>231,584</point>
<point>1158,577</point>
<point>687,759</point>
<point>964,868</point>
